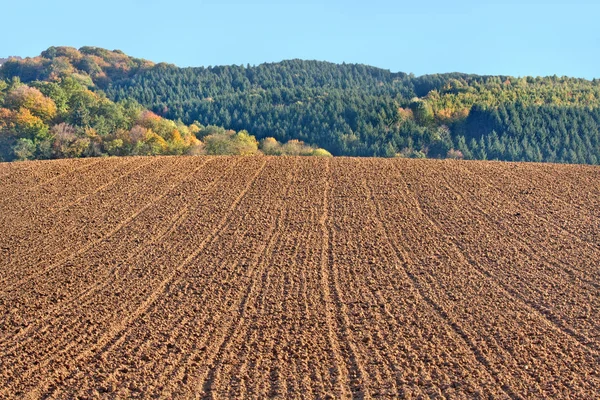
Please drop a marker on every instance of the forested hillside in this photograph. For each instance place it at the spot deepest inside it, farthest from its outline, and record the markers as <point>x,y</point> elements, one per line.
<point>52,107</point>
<point>347,109</point>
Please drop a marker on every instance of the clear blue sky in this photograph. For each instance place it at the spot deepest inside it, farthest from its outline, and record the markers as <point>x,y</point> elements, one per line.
<point>499,37</point>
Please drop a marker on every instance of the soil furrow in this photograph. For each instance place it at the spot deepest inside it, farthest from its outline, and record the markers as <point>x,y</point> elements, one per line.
<point>557,237</point>
<point>24,182</point>
<point>118,332</point>
<point>89,272</point>
<point>452,290</point>
<point>80,234</point>
<point>45,315</point>
<point>205,382</point>
<point>554,271</point>
<point>298,277</point>
<point>551,269</point>
<point>221,377</point>
<point>174,370</point>
<point>430,307</point>
<point>101,295</point>
<point>111,182</point>
<point>561,196</point>
<point>351,370</point>
<point>29,215</point>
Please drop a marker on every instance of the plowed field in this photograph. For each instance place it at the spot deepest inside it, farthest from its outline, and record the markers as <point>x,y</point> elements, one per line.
<point>258,277</point>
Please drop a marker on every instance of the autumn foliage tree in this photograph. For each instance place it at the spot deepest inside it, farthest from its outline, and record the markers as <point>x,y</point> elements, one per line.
<point>65,119</point>
<point>31,99</point>
<point>272,147</point>
<point>230,143</point>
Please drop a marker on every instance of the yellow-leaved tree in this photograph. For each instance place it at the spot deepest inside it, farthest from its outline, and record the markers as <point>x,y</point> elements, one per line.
<point>33,100</point>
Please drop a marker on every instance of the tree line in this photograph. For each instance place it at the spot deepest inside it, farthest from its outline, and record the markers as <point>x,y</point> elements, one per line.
<point>347,109</point>
<point>61,113</point>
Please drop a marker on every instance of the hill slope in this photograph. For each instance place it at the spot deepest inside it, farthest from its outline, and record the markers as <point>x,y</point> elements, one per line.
<point>51,107</point>
<point>352,109</point>
<point>298,277</point>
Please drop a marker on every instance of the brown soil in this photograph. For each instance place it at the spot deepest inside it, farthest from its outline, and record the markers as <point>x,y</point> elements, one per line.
<point>298,278</point>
